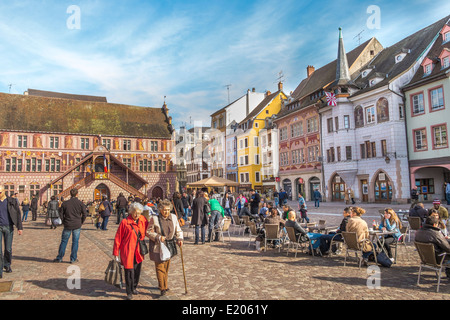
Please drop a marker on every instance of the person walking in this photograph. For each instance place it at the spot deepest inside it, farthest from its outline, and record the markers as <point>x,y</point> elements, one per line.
<point>199,217</point>
<point>255,200</point>
<point>282,197</point>
<point>52,211</point>
<point>317,198</point>
<point>34,207</point>
<point>9,217</point>
<point>187,201</point>
<point>178,205</point>
<point>228,204</point>
<point>130,231</point>
<point>121,207</point>
<point>73,214</point>
<point>414,197</point>
<point>25,209</point>
<point>106,213</point>
<point>166,229</point>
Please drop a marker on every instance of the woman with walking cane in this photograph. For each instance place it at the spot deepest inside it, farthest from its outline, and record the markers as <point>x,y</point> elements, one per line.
<point>164,229</point>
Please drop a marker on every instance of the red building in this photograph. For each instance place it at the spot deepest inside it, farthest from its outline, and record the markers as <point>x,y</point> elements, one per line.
<point>52,142</point>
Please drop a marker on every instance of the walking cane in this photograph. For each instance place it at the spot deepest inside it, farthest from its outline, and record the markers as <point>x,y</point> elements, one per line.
<point>184,273</point>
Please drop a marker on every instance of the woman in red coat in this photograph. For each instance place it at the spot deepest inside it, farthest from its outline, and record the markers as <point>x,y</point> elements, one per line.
<point>126,242</point>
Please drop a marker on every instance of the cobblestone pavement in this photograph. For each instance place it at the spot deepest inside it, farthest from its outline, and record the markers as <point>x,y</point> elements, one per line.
<point>232,270</point>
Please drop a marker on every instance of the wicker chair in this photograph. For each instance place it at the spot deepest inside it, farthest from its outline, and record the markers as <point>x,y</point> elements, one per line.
<point>352,244</point>
<point>428,260</point>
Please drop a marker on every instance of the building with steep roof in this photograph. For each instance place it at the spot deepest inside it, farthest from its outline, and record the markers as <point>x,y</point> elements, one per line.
<point>52,142</point>
<point>364,136</point>
<point>427,112</point>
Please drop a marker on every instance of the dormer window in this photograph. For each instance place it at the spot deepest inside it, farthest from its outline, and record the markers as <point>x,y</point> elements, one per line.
<point>399,58</point>
<point>428,69</point>
<point>445,34</point>
<point>427,65</point>
<point>446,62</point>
<point>447,37</point>
<point>445,57</point>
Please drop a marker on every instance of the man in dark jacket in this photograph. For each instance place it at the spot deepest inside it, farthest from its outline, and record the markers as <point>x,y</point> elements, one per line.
<point>431,233</point>
<point>291,222</point>
<point>73,213</point>
<point>34,207</point>
<point>187,203</point>
<point>9,217</point>
<point>121,206</point>
<point>414,196</point>
<point>419,211</point>
<point>255,199</point>
<point>199,217</point>
<point>325,240</point>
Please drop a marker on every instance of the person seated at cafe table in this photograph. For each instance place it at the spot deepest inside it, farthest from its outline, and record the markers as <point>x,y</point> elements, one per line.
<point>391,223</point>
<point>274,218</point>
<point>441,225</point>
<point>325,240</point>
<point>430,233</point>
<point>419,211</point>
<point>358,225</point>
<point>291,222</point>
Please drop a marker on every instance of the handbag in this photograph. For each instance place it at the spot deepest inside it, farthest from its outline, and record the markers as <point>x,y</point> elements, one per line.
<point>169,244</point>
<point>101,207</point>
<point>383,260</point>
<point>114,274</point>
<point>207,208</point>
<point>48,222</point>
<point>142,245</point>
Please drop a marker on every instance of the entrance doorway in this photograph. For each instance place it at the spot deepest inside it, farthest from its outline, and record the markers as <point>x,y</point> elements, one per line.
<point>314,183</point>
<point>338,188</point>
<point>157,192</point>
<point>364,191</point>
<point>383,188</point>
<point>287,186</point>
<point>301,187</point>
<point>101,191</point>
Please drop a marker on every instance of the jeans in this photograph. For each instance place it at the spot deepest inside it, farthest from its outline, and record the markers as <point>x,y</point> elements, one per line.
<point>448,198</point>
<point>104,223</point>
<point>317,203</point>
<point>25,215</point>
<point>186,214</point>
<point>121,214</point>
<point>197,233</point>
<point>213,222</point>
<point>34,214</point>
<point>65,239</point>
<point>325,241</point>
<point>228,212</point>
<point>6,232</point>
<point>277,201</point>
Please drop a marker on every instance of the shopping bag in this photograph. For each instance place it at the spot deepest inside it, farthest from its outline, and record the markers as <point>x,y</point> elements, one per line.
<point>57,222</point>
<point>48,222</point>
<point>114,274</point>
<point>164,253</point>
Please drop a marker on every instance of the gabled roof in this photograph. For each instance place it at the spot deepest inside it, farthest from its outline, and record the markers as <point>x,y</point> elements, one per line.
<point>437,71</point>
<point>68,116</point>
<point>385,63</point>
<point>327,74</point>
<point>260,107</point>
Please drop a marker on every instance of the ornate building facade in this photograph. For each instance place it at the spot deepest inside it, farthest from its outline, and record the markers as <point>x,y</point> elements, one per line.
<point>53,142</point>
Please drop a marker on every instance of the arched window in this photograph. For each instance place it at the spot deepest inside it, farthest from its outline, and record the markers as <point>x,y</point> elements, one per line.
<point>359,117</point>
<point>382,110</point>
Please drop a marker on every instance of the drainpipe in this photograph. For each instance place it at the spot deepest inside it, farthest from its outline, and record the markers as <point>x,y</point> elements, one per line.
<point>406,132</point>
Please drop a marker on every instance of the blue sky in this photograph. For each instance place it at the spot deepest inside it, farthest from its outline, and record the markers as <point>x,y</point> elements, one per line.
<point>137,52</point>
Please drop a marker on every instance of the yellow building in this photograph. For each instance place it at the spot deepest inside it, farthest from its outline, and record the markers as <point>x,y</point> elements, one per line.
<point>248,151</point>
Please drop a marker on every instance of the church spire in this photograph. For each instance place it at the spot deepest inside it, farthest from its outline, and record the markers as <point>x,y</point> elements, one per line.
<point>342,70</point>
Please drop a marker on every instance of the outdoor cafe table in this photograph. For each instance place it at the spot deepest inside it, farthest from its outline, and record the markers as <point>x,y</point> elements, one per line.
<point>317,227</point>
<point>378,236</point>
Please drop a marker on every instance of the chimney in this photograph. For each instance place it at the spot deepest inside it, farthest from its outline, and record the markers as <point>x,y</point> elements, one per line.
<point>310,70</point>
<point>254,90</point>
<point>280,86</point>
<point>268,93</point>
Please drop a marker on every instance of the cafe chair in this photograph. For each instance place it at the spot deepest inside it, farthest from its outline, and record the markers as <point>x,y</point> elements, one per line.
<point>253,232</point>
<point>428,260</point>
<point>272,233</point>
<point>335,242</point>
<point>238,224</point>
<point>352,244</point>
<point>222,229</point>
<point>295,243</point>
<point>415,223</point>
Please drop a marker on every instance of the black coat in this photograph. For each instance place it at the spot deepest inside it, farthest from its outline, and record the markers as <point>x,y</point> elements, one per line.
<point>34,204</point>
<point>199,217</point>
<point>73,213</point>
<point>418,211</point>
<point>178,207</point>
<point>52,209</point>
<point>430,234</point>
<point>14,213</point>
<point>121,202</point>
<point>108,209</point>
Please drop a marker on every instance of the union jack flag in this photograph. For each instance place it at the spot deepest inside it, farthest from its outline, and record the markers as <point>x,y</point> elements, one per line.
<point>331,99</point>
